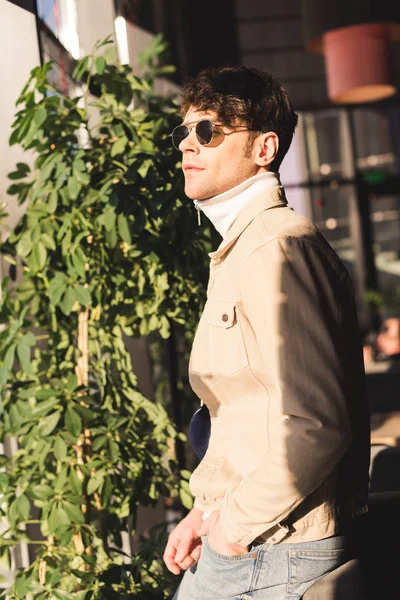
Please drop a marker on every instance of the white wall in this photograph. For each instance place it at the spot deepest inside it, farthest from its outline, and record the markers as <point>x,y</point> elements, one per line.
<point>95,22</point>
<point>19,54</point>
<point>138,40</point>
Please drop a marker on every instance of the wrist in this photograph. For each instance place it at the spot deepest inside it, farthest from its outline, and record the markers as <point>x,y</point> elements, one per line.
<point>195,516</point>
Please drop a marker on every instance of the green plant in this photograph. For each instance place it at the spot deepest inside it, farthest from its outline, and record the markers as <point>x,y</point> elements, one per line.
<point>108,248</point>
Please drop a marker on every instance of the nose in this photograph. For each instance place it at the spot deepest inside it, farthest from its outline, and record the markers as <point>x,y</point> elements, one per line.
<point>190,143</point>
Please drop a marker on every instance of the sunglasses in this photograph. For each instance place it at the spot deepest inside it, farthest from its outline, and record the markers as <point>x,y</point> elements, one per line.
<point>207,133</point>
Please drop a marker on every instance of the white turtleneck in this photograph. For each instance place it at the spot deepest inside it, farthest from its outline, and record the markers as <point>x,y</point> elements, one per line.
<point>223,209</point>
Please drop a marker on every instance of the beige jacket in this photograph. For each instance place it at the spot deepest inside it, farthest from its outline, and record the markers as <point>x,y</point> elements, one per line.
<point>277,358</point>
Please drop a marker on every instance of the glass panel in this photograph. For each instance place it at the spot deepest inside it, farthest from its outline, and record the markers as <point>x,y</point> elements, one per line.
<point>374,141</point>
<point>60,16</point>
<point>323,144</point>
<point>49,12</point>
<point>385,222</point>
<point>330,209</point>
<point>60,75</point>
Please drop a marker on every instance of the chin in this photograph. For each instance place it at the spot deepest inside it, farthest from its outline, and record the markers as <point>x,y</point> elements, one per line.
<point>191,193</point>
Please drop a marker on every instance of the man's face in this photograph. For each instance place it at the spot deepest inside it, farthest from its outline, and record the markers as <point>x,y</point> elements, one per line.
<point>212,170</point>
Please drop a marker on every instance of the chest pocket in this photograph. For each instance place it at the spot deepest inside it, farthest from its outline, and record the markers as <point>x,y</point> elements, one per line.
<point>227,349</point>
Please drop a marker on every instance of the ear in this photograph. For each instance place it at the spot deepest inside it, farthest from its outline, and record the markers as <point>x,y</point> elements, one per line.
<point>266,147</point>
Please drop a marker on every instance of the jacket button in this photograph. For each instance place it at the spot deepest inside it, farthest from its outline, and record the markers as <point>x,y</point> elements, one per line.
<point>225,318</point>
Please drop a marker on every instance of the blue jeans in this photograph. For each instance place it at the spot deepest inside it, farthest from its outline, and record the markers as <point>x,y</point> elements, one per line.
<point>268,572</point>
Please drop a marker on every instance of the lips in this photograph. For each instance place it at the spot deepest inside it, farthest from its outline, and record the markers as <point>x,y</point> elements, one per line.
<point>188,167</point>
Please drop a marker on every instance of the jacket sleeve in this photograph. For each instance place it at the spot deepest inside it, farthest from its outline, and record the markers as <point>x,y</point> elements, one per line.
<point>292,296</point>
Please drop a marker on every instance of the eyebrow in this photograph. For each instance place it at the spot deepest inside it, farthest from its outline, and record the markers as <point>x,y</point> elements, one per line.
<point>198,121</point>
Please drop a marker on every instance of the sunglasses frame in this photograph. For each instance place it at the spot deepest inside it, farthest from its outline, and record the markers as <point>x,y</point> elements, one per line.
<point>193,124</point>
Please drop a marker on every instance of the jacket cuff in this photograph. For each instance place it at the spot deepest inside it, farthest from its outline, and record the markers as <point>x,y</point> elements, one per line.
<point>199,505</point>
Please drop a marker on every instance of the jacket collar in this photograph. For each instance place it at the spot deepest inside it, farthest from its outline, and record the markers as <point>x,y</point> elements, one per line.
<point>269,198</point>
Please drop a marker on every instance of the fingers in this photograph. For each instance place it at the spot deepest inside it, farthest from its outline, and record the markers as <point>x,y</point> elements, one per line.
<point>169,556</point>
<point>181,554</point>
<point>195,554</point>
<point>192,559</point>
<point>187,563</point>
<point>184,549</point>
<point>176,552</point>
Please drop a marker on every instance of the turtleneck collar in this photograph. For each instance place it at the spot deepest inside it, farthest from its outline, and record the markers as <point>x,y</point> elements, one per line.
<point>223,209</point>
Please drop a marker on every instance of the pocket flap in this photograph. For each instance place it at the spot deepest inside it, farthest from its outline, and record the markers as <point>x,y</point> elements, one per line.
<point>221,314</point>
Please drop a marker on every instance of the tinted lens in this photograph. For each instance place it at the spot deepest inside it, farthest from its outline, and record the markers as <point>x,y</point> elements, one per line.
<point>204,131</point>
<point>179,134</point>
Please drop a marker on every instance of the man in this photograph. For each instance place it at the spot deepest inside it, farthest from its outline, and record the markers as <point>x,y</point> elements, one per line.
<point>277,359</point>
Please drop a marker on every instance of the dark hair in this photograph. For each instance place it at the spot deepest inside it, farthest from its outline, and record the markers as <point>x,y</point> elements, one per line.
<point>240,95</point>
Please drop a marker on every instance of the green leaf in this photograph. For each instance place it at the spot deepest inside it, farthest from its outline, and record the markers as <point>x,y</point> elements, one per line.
<point>24,352</point>
<point>114,450</point>
<point>9,357</point>
<point>78,165</point>
<point>12,514</point>
<point>95,482</point>
<point>42,491</point>
<point>15,418</point>
<point>21,172</point>
<point>60,449</point>
<point>24,357</point>
<point>57,288</point>
<point>52,202</point>
<point>106,491</point>
<point>25,244</point>
<point>185,495</point>
<point>123,228</point>
<point>39,117</point>
<point>73,422</point>
<point>75,482</point>
<point>30,338</point>
<point>42,408</point>
<point>47,241</point>
<point>144,168</point>
<point>5,558</point>
<point>100,64</point>
<point>81,67</point>
<point>185,474</point>
<point>58,519</point>
<point>72,382</point>
<point>73,187</point>
<point>74,512</point>
<point>83,295</point>
<point>38,256</point>
<point>78,260</point>
<point>4,374</point>
<point>90,560</point>
<point>4,481</point>
<point>46,392</point>
<point>119,146</point>
<point>99,442</point>
<point>23,507</point>
<point>49,423</point>
<point>68,300</point>
<point>60,480</point>
<point>111,238</point>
